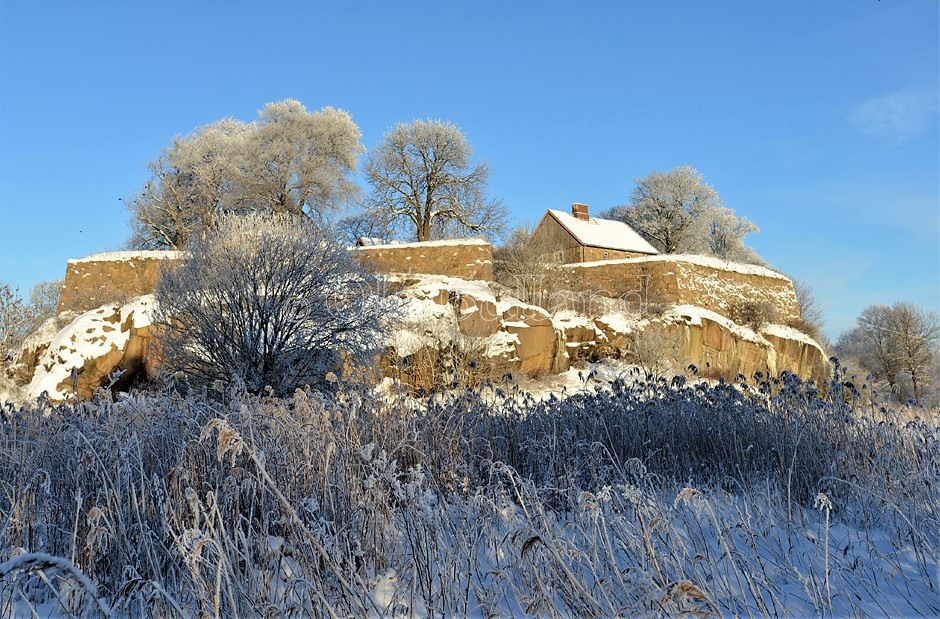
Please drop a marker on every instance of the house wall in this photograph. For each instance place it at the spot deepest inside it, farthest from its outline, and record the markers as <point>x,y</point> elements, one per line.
<point>550,238</point>
<point>460,258</point>
<point>592,254</point>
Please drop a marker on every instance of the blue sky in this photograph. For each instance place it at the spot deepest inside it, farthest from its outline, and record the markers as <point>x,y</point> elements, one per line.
<point>816,120</point>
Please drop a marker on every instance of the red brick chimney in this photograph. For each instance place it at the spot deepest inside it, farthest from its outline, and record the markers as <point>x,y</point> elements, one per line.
<point>580,211</point>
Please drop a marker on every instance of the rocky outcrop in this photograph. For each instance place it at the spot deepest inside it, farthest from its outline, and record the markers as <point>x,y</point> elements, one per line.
<point>476,317</point>
<point>540,348</point>
<point>452,327</point>
<point>449,319</point>
<point>535,343</point>
<point>719,348</point>
<point>106,346</point>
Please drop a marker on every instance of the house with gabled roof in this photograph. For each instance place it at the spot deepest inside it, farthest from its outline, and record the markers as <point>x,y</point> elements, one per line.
<point>578,237</point>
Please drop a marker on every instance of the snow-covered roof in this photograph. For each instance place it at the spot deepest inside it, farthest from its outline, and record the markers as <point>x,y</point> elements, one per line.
<point>115,256</point>
<point>603,233</point>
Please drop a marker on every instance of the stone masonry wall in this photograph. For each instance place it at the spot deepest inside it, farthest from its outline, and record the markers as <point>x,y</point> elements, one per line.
<point>467,259</point>
<point>687,280</point>
<point>106,278</point>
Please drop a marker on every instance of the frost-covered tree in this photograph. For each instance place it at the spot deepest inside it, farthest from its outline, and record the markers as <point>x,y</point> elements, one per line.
<point>916,333</point>
<point>19,318</point>
<point>15,320</point>
<point>678,212</point>
<point>725,235</point>
<point>190,183</point>
<point>44,299</point>
<point>288,161</point>
<point>421,174</point>
<point>361,225</point>
<point>812,317</point>
<point>268,300</point>
<point>897,344</point>
<point>295,161</point>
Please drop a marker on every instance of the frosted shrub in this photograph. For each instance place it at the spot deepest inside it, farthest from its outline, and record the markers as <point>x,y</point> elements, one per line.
<point>268,301</point>
<point>754,314</point>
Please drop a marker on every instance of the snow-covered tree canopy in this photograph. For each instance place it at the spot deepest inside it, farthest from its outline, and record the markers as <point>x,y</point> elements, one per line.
<point>898,344</point>
<point>422,177</point>
<point>288,161</point>
<point>678,212</point>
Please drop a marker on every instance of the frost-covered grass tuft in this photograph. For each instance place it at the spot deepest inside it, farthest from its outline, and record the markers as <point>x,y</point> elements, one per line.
<point>650,498</point>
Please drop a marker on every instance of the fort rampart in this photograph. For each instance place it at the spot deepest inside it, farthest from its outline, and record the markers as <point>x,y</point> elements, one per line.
<point>111,277</point>
<point>467,259</point>
<point>702,281</point>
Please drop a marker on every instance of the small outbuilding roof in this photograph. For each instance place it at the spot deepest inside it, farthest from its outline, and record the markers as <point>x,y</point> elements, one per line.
<point>603,233</point>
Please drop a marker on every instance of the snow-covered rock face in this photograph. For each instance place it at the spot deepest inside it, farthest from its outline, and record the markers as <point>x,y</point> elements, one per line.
<point>93,349</point>
<point>474,318</point>
<point>469,313</point>
<point>443,310</point>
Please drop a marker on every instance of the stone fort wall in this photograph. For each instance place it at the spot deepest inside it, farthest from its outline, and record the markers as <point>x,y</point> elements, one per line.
<point>117,276</point>
<point>466,259</point>
<point>112,277</point>
<point>694,280</point>
<point>702,281</point>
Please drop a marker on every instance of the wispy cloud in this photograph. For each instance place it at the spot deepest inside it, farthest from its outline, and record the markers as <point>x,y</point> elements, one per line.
<point>898,117</point>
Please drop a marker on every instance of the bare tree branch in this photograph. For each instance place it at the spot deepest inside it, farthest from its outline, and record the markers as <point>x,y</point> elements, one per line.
<point>422,173</point>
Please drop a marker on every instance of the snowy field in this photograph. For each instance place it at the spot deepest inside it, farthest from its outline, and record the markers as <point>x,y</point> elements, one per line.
<point>623,497</point>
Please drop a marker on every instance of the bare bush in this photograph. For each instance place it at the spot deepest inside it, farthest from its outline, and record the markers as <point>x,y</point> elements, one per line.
<point>268,300</point>
<point>15,320</point>
<point>658,350</point>
<point>18,318</point>
<point>753,314</point>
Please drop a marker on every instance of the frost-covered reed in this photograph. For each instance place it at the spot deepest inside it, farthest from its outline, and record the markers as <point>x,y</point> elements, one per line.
<point>643,498</point>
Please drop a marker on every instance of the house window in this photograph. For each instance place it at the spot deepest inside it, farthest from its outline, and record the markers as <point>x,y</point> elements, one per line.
<point>606,255</point>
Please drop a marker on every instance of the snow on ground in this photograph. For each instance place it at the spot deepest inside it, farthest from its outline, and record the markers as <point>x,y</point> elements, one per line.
<point>693,315</point>
<point>89,336</point>
<point>705,261</point>
<point>443,243</point>
<point>117,256</point>
<point>431,286</point>
<point>424,323</point>
<point>502,344</point>
<point>622,323</point>
<point>791,334</point>
<point>568,319</point>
